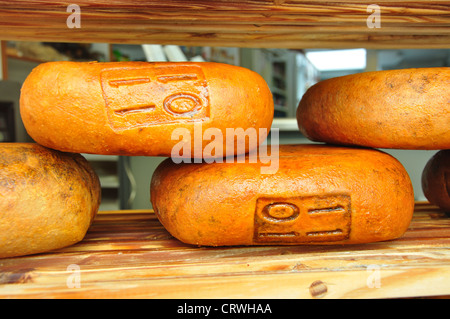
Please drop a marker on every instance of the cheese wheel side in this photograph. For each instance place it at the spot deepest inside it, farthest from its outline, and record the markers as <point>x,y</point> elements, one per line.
<point>436,180</point>
<point>321,194</point>
<point>140,108</point>
<point>48,199</point>
<point>404,109</point>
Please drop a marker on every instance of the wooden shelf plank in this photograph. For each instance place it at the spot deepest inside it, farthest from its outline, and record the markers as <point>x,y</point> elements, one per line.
<point>272,24</point>
<point>128,254</point>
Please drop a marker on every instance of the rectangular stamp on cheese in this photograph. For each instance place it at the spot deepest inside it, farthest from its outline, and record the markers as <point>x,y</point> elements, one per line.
<point>303,219</point>
<point>159,94</point>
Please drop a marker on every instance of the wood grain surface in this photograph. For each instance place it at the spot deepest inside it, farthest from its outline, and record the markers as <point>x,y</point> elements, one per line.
<point>128,254</point>
<point>250,23</point>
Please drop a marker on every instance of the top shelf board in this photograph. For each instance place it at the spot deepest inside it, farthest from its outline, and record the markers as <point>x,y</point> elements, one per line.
<point>291,24</point>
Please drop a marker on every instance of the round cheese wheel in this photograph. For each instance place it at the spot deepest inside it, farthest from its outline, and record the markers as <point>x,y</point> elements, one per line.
<point>402,109</point>
<point>48,199</point>
<point>315,194</point>
<point>141,108</point>
<point>436,180</point>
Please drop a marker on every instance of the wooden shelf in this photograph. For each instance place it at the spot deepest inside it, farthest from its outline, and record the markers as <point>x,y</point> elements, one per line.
<point>267,24</point>
<point>128,254</point>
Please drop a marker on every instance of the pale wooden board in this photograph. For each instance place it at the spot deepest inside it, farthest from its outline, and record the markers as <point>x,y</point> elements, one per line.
<point>270,24</point>
<point>128,254</point>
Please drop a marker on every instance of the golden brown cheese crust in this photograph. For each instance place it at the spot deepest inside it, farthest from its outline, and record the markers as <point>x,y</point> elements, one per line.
<point>436,180</point>
<point>132,108</point>
<point>48,199</point>
<point>319,195</point>
<point>404,109</point>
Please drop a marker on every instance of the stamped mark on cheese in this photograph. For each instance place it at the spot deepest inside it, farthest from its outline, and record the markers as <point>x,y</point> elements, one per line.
<point>155,94</point>
<point>302,219</point>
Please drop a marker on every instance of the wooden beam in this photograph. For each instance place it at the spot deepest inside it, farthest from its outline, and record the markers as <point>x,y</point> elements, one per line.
<point>248,23</point>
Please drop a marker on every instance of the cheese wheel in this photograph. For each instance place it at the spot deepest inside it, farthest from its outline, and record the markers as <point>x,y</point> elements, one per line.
<point>436,180</point>
<point>48,199</point>
<point>141,108</point>
<point>319,194</point>
<point>402,109</point>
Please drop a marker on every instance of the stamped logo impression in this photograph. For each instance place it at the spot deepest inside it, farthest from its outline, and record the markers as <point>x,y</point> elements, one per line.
<point>321,218</point>
<point>157,94</point>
